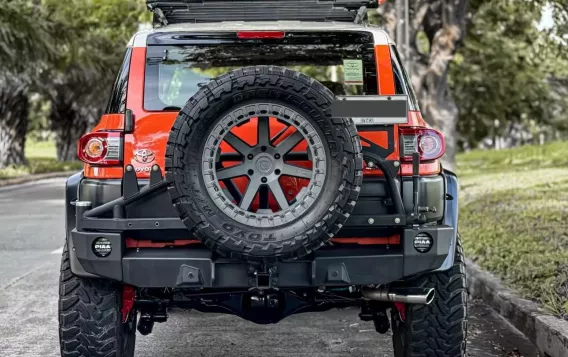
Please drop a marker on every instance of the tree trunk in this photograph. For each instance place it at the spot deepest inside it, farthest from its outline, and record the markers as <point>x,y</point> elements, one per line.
<point>75,106</point>
<point>14,111</point>
<point>68,123</point>
<point>443,24</point>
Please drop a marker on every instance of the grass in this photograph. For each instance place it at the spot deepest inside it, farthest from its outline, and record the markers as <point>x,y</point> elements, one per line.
<point>41,159</point>
<point>514,219</point>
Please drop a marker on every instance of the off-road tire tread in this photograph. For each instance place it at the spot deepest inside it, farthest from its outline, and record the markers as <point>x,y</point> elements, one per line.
<point>438,329</point>
<point>89,316</point>
<point>347,151</point>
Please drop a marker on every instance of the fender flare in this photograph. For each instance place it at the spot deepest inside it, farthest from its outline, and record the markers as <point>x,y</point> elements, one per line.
<point>71,194</point>
<point>451,212</point>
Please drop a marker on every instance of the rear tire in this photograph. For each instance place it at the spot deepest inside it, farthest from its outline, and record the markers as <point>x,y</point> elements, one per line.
<point>230,100</point>
<point>438,329</point>
<point>90,320</point>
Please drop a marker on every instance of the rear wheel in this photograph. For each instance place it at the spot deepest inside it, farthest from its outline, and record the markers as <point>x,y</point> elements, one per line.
<point>438,329</point>
<point>257,167</point>
<point>90,319</point>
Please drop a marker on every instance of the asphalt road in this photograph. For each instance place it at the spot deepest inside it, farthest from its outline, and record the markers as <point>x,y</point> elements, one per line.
<point>31,237</point>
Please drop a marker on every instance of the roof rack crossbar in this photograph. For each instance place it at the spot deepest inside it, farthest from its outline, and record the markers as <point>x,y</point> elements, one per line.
<point>196,11</point>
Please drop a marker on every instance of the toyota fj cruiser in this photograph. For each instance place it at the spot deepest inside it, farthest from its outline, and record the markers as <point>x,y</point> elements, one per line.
<point>262,158</point>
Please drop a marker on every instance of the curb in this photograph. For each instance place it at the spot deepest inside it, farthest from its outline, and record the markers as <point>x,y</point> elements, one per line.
<point>548,333</point>
<point>32,178</point>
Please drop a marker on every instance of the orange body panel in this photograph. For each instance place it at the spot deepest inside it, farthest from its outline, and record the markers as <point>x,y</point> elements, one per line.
<point>385,84</point>
<point>385,75</point>
<point>151,129</point>
<point>110,121</point>
<point>415,119</point>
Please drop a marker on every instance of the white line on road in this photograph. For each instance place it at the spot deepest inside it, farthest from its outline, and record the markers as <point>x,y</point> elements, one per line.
<point>58,251</point>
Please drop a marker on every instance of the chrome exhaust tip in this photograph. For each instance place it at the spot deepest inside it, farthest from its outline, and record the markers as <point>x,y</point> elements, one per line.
<point>405,295</point>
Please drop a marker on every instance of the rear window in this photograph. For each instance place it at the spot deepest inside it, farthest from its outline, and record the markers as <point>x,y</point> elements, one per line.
<point>175,72</point>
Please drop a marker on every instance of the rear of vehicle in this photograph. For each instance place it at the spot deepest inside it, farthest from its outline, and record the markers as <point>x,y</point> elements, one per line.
<point>227,177</point>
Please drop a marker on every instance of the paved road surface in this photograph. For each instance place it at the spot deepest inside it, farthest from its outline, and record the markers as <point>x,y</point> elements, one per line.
<point>31,236</point>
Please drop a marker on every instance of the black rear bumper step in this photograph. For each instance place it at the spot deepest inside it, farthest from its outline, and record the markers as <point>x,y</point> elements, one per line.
<point>194,11</point>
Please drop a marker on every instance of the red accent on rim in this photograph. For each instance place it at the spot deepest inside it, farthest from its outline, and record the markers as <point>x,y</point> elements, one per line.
<point>246,35</point>
<point>278,132</point>
<point>401,310</point>
<point>128,297</point>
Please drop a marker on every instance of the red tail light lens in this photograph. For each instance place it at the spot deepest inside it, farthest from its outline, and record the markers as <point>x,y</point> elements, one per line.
<point>246,35</point>
<point>101,149</point>
<point>428,142</point>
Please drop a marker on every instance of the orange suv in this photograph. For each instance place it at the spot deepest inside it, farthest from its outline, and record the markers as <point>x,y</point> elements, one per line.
<point>262,159</point>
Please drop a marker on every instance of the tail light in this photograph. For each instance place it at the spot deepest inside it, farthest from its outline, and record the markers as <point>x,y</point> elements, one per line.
<point>101,149</point>
<point>246,35</point>
<point>429,143</point>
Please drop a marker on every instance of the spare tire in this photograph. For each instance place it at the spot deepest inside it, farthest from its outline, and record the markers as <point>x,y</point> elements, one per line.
<point>257,167</point>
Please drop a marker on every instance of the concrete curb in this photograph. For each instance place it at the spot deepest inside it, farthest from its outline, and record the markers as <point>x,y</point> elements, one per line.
<point>548,333</point>
<point>31,178</point>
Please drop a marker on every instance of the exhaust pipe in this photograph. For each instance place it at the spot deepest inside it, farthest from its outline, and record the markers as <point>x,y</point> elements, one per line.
<point>406,295</point>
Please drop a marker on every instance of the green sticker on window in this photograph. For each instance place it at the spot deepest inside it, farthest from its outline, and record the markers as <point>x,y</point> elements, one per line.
<point>353,71</point>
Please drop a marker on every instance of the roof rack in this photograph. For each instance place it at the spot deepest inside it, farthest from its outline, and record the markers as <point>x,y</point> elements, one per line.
<point>196,11</point>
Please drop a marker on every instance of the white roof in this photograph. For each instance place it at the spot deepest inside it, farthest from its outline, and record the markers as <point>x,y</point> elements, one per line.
<point>380,35</point>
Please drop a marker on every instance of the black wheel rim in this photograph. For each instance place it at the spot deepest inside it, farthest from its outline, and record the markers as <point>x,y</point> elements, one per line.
<point>265,165</point>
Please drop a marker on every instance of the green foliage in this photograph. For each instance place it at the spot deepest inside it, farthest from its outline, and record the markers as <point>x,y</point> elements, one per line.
<point>41,159</point>
<point>502,73</point>
<point>69,51</point>
<point>521,159</point>
<point>40,166</point>
<point>36,149</point>
<point>78,80</point>
<point>513,218</point>
<point>97,32</point>
<point>38,127</point>
<point>25,33</point>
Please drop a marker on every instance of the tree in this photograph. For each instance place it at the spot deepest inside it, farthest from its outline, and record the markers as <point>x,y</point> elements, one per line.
<point>25,33</point>
<point>14,110</point>
<point>84,68</point>
<point>76,104</point>
<point>437,29</point>
<point>25,42</point>
<point>502,76</point>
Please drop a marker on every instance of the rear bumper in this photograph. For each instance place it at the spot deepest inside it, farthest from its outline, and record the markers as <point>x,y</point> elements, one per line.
<point>197,267</point>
